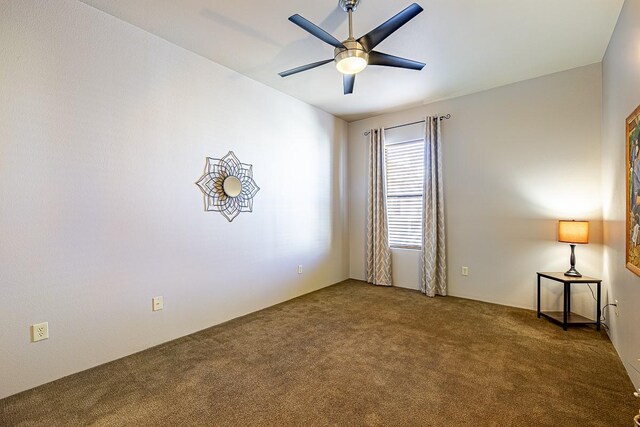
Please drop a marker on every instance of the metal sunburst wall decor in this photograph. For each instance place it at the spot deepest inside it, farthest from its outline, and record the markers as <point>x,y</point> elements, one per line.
<point>228,186</point>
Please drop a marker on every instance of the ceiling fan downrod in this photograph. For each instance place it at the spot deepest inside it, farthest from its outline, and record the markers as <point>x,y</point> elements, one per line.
<point>349,6</point>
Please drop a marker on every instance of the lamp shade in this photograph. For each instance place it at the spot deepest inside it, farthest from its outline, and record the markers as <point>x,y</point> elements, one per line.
<point>573,231</point>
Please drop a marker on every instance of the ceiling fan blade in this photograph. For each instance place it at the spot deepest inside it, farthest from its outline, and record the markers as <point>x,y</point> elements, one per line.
<point>304,68</point>
<point>348,80</point>
<point>316,31</point>
<point>379,58</point>
<point>384,30</point>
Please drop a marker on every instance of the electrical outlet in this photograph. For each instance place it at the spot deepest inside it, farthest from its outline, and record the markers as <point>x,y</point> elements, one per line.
<point>299,269</point>
<point>617,308</point>
<point>158,303</point>
<point>40,331</point>
<point>465,271</point>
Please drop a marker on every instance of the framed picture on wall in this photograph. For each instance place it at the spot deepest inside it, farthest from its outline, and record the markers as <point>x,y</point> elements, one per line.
<point>633,191</point>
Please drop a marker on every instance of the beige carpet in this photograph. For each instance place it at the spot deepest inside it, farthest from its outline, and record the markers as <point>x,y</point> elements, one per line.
<point>352,354</point>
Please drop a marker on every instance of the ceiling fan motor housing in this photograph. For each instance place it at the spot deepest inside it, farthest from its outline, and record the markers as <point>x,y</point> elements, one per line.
<point>353,49</point>
<point>349,4</point>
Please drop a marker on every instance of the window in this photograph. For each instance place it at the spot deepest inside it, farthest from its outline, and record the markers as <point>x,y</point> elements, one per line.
<point>404,171</point>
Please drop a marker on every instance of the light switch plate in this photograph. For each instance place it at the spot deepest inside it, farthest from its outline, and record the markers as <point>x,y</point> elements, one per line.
<point>465,271</point>
<point>158,303</point>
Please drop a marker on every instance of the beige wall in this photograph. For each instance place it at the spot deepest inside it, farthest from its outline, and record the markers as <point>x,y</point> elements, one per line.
<point>621,95</point>
<point>516,159</point>
<point>104,129</point>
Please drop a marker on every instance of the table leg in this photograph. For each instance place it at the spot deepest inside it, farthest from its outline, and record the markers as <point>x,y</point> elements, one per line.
<point>538,296</point>
<point>564,311</point>
<point>569,300</point>
<point>598,309</point>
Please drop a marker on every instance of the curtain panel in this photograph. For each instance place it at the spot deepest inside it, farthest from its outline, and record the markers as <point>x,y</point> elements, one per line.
<point>434,262</point>
<point>378,250</point>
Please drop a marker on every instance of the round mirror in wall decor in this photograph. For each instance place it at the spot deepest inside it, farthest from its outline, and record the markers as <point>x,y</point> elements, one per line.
<point>228,186</point>
<point>232,186</point>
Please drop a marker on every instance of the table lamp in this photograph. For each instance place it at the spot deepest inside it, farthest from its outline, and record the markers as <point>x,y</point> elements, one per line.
<point>573,232</point>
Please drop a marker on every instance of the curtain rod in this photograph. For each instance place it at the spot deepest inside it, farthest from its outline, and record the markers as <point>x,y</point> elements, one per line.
<point>445,117</point>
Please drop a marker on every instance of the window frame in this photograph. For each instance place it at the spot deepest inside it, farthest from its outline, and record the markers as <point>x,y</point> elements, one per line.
<point>413,195</point>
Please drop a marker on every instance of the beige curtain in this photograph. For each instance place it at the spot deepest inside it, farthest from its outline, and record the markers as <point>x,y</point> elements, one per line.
<point>378,251</point>
<point>434,262</point>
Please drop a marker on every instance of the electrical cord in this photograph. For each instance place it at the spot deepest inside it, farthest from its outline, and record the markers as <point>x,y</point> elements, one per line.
<point>604,316</point>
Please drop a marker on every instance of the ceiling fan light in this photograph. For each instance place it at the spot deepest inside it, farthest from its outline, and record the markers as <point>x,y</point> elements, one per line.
<point>351,61</point>
<point>351,65</point>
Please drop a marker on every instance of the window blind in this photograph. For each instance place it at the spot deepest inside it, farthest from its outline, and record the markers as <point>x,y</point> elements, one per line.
<point>404,163</point>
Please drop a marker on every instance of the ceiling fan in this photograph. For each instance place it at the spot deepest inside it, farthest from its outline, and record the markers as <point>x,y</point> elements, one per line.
<point>352,56</point>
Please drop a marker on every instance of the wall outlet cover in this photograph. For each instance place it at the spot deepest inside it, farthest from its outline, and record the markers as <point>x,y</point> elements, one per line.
<point>40,331</point>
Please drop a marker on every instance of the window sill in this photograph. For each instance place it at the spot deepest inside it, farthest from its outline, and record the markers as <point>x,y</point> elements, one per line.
<point>407,248</point>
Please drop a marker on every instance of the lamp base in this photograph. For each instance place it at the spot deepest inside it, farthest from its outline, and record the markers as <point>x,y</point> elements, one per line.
<point>573,273</point>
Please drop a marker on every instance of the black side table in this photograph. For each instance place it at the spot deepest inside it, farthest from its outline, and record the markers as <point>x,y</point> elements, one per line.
<point>566,317</point>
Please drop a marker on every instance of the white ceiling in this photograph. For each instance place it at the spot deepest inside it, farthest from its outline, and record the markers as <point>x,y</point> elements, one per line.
<point>468,45</point>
